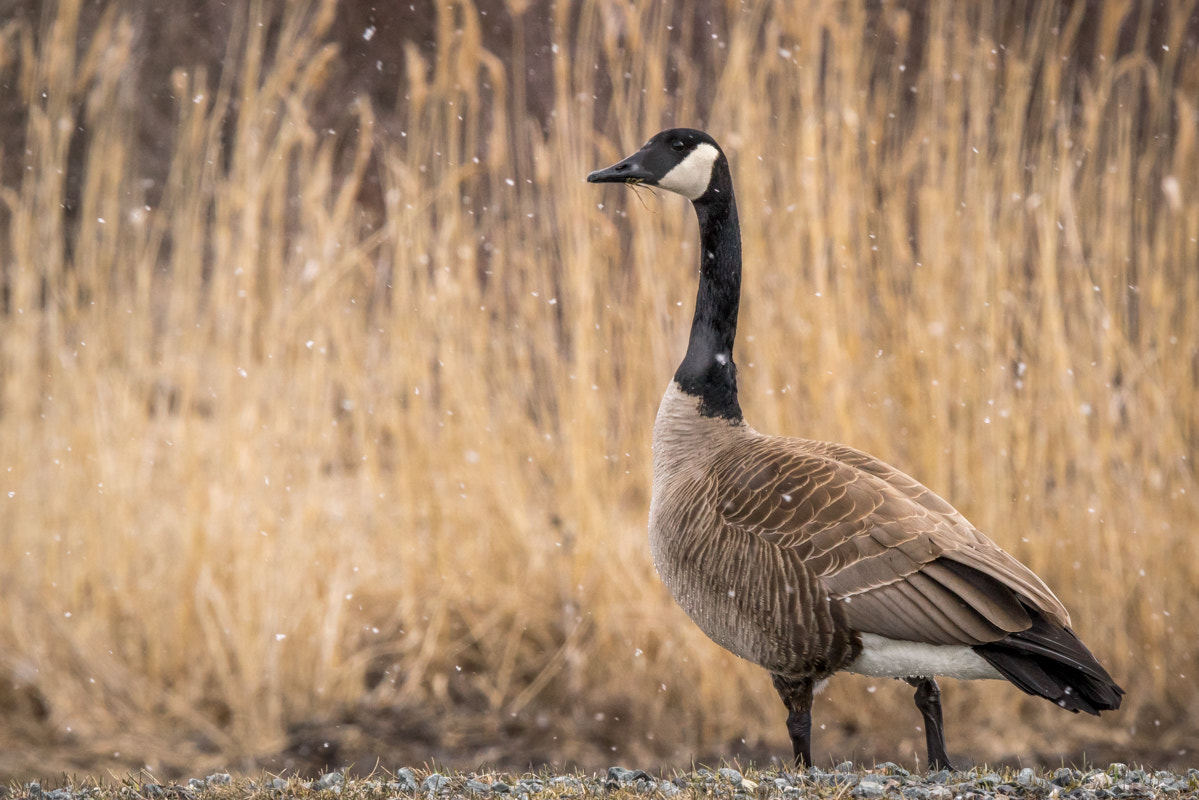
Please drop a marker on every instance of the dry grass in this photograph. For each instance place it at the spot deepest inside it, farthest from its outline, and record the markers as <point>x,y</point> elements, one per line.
<point>718,783</point>
<point>699,784</point>
<point>266,454</point>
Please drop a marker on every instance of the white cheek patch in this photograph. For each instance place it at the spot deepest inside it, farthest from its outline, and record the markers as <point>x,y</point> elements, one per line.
<point>693,174</point>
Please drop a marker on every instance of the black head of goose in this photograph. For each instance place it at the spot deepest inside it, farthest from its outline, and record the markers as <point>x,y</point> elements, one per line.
<point>809,558</point>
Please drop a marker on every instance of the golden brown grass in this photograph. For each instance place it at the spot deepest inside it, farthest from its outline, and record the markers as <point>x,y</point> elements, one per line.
<point>266,454</point>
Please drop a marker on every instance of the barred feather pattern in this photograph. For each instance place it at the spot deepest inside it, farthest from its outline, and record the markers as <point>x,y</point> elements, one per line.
<point>785,551</point>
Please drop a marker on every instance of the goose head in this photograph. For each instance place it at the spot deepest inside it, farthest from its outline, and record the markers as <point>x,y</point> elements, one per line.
<point>679,160</point>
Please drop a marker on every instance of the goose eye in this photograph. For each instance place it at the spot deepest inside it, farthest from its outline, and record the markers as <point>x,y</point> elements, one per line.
<point>678,145</point>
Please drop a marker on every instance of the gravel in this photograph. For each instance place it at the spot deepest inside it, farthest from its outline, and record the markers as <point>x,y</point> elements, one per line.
<point>845,781</point>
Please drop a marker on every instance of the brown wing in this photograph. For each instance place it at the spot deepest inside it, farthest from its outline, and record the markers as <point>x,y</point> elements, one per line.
<point>905,563</point>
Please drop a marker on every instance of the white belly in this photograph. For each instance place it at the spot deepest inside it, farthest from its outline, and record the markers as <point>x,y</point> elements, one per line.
<point>888,658</point>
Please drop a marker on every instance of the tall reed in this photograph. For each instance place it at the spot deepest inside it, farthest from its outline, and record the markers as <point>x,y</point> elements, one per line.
<point>269,452</point>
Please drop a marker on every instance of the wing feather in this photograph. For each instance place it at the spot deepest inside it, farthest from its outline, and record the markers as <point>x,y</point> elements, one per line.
<point>903,561</point>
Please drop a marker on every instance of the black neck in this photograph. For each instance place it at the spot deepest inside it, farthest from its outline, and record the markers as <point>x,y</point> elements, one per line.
<point>707,370</point>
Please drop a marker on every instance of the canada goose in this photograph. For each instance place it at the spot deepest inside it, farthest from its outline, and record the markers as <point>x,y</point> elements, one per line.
<point>809,558</point>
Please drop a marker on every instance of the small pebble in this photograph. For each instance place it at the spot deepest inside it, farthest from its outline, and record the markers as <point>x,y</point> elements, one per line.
<point>891,768</point>
<point>435,783</point>
<point>883,781</point>
<point>870,786</point>
<point>621,775</point>
<point>329,780</point>
<point>668,788</point>
<point>405,781</point>
<point>990,780</point>
<point>1064,776</point>
<point>730,775</point>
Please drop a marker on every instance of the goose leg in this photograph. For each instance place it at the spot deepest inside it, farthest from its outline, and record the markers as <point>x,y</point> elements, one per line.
<point>797,696</point>
<point>928,700</point>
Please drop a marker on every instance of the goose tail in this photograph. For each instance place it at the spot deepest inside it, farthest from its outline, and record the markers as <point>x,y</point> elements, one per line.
<point>1048,660</point>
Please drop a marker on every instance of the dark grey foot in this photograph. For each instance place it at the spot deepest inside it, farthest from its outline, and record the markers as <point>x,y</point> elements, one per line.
<point>796,694</point>
<point>928,700</point>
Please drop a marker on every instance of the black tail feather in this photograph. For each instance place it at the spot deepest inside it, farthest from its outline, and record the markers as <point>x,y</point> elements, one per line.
<point>1049,661</point>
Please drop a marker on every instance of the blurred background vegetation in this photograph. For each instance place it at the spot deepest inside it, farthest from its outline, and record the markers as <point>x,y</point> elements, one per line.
<point>326,383</point>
